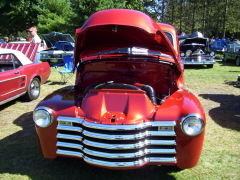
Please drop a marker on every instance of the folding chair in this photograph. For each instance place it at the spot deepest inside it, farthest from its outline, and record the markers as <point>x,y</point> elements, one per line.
<point>67,70</point>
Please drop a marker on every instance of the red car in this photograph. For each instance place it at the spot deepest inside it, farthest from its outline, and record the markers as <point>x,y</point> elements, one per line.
<point>19,76</point>
<point>128,107</point>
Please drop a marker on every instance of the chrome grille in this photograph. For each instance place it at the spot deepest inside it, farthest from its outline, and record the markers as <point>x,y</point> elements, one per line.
<point>117,145</point>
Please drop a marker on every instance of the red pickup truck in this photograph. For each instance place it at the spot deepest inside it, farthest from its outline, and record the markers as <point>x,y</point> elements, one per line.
<point>128,107</point>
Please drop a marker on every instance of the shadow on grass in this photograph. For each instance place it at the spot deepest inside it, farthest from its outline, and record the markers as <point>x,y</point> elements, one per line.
<point>20,155</point>
<point>229,63</point>
<point>235,84</point>
<point>196,67</point>
<point>228,114</point>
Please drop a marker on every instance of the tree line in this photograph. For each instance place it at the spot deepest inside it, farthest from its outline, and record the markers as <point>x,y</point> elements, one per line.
<point>218,18</point>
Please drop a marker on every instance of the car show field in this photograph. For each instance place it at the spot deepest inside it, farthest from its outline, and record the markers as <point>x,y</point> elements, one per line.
<point>216,88</point>
<point>138,106</point>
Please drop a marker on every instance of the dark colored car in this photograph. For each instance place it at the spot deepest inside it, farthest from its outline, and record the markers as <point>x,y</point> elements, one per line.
<point>59,45</point>
<point>195,51</point>
<point>232,54</point>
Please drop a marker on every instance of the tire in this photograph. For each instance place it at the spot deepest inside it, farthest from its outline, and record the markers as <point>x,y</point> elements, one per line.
<point>225,59</point>
<point>210,66</point>
<point>33,91</point>
<point>238,61</point>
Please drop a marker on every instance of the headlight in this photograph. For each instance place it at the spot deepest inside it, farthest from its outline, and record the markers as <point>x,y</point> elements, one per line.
<point>192,124</point>
<point>182,54</point>
<point>212,53</point>
<point>43,116</point>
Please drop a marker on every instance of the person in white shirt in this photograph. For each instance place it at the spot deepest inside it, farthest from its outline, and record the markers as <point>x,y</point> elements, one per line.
<point>35,39</point>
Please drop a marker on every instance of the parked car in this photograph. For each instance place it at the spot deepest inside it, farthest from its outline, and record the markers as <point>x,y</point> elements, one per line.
<point>19,76</point>
<point>219,45</point>
<point>58,45</point>
<point>182,38</point>
<point>232,54</point>
<point>128,107</point>
<point>195,51</point>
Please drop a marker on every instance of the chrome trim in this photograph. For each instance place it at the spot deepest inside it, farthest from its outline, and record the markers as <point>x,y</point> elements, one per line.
<point>119,164</point>
<point>14,91</point>
<point>198,63</point>
<point>69,153</point>
<point>139,153</point>
<point>191,115</point>
<point>75,146</point>
<point>18,77</point>
<point>48,110</point>
<point>128,127</point>
<point>98,144</point>
<point>66,136</point>
<point>140,144</point>
<point>69,128</point>
<point>70,119</point>
<point>128,137</point>
<point>12,98</point>
<point>116,127</point>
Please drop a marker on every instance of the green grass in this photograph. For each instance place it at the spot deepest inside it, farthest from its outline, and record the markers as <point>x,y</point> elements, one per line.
<point>20,157</point>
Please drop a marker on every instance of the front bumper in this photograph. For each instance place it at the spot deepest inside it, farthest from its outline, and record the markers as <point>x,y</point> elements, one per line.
<point>117,146</point>
<point>54,56</point>
<point>198,60</point>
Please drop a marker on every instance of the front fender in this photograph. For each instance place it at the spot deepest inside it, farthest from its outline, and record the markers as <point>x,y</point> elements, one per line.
<point>62,103</point>
<point>178,105</point>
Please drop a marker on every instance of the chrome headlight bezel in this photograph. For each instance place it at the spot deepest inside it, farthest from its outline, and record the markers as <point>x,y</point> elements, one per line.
<point>182,54</point>
<point>212,53</point>
<point>43,116</point>
<point>192,124</point>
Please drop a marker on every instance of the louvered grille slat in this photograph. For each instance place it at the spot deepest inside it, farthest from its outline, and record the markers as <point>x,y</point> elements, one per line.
<point>116,145</point>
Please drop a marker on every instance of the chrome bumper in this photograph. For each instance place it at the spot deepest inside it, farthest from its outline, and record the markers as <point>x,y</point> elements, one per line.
<point>198,60</point>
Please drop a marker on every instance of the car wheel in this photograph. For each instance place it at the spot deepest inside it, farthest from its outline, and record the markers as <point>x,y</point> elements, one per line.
<point>238,61</point>
<point>33,91</point>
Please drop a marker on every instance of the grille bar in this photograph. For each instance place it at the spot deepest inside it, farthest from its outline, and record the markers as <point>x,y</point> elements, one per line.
<point>70,145</point>
<point>139,153</point>
<point>116,127</point>
<point>66,136</point>
<point>69,128</point>
<point>138,162</point>
<point>129,137</point>
<point>140,144</point>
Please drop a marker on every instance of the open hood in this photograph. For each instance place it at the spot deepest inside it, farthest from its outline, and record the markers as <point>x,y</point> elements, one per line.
<point>198,40</point>
<point>119,28</point>
<point>52,38</point>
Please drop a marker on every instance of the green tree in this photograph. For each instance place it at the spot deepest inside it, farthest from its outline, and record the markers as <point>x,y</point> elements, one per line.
<point>18,16</point>
<point>54,16</point>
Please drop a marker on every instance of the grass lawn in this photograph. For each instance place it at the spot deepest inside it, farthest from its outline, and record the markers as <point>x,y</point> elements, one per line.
<point>20,157</point>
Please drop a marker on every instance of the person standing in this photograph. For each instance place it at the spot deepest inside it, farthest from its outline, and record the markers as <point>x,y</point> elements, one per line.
<point>35,39</point>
